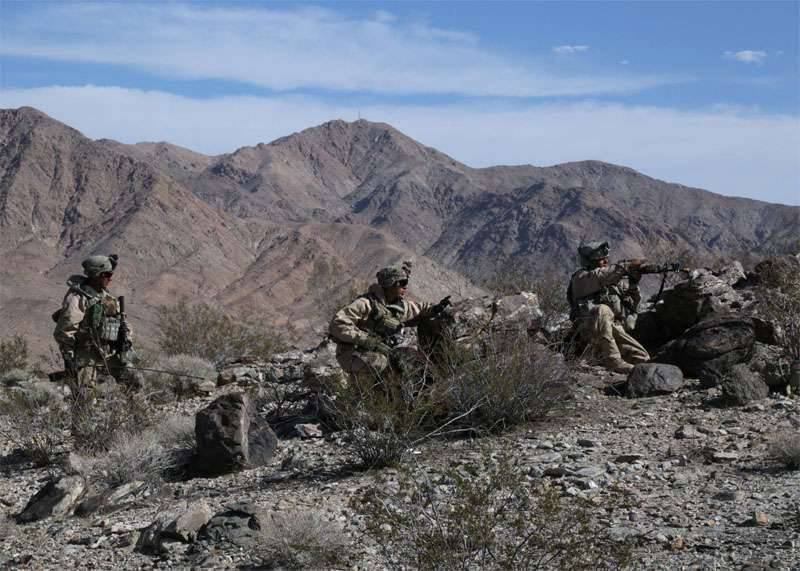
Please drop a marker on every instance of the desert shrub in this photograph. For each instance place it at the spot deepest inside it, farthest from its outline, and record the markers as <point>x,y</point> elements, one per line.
<point>488,386</point>
<point>500,382</point>
<point>98,420</point>
<point>13,353</point>
<point>159,452</point>
<point>15,377</point>
<point>301,540</point>
<point>779,300</point>
<point>36,421</point>
<point>183,371</point>
<point>491,518</point>
<point>549,285</point>
<point>208,332</point>
<point>785,449</point>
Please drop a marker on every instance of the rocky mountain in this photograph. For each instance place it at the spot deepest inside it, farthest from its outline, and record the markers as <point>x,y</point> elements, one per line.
<point>277,228</point>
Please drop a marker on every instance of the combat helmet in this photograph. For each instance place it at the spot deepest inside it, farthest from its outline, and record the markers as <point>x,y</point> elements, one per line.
<point>96,265</point>
<point>591,252</point>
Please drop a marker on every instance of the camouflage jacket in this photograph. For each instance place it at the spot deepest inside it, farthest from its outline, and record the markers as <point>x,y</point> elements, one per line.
<point>607,286</point>
<point>79,324</point>
<point>354,323</point>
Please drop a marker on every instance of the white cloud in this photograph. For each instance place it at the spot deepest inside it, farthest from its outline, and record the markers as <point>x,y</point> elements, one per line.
<point>729,150</point>
<point>747,56</point>
<point>570,49</point>
<point>295,49</point>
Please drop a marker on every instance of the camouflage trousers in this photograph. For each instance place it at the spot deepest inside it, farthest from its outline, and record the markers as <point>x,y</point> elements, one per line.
<point>611,344</point>
<point>91,363</point>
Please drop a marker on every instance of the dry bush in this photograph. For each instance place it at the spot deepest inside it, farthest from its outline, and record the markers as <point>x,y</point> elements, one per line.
<point>208,332</point>
<point>160,452</point>
<point>175,376</point>
<point>500,382</point>
<point>301,540</point>
<point>494,519</point>
<point>98,420</point>
<point>487,387</point>
<point>785,449</point>
<point>549,284</point>
<point>13,353</point>
<point>15,377</point>
<point>36,422</point>
<point>779,301</point>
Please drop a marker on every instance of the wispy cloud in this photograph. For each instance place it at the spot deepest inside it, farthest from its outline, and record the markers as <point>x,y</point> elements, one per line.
<point>296,49</point>
<point>747,56</point>
<point>570,49</point>
<point>730,150</point>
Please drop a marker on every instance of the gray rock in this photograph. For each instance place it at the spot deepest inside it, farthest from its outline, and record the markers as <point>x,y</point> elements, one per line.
<point>151,540</point>
<point>56,498</point>
<point>771,364</point>
<point>238,524</point>
<point>229,439</point>
<point>185,526</point>
<point>742,386</point>
<point>628,458</point>
<point>652,379</point>
<point>687,431</point>
<point>308,430</point>
<point>724,457</point>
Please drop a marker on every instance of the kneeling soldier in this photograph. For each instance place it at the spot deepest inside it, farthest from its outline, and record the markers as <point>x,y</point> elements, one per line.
<point>365,330</point>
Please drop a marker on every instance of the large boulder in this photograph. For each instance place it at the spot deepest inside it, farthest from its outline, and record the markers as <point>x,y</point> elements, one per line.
<point>231,438</point>
<point>57,498</point>
<point>705,293</point>
<point>771,364</point>
<point>652,379</point>
<point>710,348</point>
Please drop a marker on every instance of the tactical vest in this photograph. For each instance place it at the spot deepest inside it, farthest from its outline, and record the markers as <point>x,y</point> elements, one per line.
<point>609,295</point>
<point>101,321</point>
<point>384,320</point>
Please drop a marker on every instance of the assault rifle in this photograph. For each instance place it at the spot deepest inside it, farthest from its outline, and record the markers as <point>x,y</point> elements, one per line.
<point>636,273</point>
<point>123,343</point>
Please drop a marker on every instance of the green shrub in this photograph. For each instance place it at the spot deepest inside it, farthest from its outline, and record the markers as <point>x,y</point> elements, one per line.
<point>208,332</point>
<point>486,517</point>
<point>13,353</point>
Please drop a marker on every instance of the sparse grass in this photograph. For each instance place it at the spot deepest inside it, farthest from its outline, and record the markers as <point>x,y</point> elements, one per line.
<point>208,332</point>
<point>485,517</point>
<point>159,452</point>
<point>15,377</point>
<point>785,449</point>
<point>13,353</point>
<point>301,540</point>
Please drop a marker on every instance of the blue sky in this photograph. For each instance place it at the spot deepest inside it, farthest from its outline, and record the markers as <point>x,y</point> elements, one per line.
<point>705,94</point>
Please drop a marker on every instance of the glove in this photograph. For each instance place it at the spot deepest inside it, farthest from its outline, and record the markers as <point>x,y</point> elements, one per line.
<point>674,267</point>
<point>440,307</point>
<point>375,345</point>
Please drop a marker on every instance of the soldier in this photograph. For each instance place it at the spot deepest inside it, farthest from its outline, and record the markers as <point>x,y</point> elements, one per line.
<point>88,328</point>
<point>604,300</point>
<point>366,329</point>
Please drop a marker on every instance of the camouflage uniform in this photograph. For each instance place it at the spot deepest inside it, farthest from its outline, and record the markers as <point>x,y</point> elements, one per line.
<point>87,326</point>
<point>364,329</point>
<point>604,303</point>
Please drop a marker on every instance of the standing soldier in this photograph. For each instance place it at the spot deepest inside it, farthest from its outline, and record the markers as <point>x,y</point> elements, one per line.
<point>366,329</point>
<point>604,300</point>
<point>89,327</point>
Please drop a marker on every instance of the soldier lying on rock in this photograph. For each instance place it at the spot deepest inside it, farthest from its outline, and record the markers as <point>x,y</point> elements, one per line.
<point>90,330</point>
<point>604,300</point>
<point>366,330</point>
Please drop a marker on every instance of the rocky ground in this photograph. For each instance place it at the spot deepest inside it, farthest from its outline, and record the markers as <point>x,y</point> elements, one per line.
<point>703,491</point>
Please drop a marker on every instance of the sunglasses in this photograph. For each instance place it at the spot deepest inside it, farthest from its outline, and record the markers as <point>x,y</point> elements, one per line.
<point>402,283</point>
<point>107,275</point>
